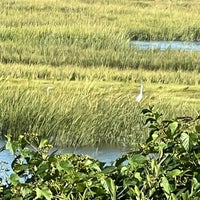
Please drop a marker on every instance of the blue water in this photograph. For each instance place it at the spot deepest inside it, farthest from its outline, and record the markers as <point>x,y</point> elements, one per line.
<point>165,45</point>
<point>105,154</point>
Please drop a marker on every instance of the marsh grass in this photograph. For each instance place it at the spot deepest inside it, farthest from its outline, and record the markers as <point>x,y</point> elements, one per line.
<point>20,72</point>
<point>73,33</point>
<point>89,113</point>
<point>94,88</point>
<point>72,115</point>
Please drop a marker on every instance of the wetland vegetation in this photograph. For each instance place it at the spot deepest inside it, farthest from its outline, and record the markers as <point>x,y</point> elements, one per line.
<point>82,49</point>
<point>165,167</point>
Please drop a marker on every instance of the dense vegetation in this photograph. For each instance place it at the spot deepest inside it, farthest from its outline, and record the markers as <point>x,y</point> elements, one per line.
<point>94,88</point>
<point>82,50</point>
<point>165,167</point>
<point>90,107</point>
<point>73,32</point>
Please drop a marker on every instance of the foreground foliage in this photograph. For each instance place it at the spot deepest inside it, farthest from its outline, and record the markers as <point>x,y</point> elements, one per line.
<point>165,167</point>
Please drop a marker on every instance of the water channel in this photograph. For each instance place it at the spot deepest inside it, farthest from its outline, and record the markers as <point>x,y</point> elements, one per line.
<point>166,45</point>
<point>105,154</point>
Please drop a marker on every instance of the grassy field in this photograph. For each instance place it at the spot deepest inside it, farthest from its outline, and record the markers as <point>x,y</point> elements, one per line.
<point>95,33</point>
<point>90,106</point>
<point>82,49</point>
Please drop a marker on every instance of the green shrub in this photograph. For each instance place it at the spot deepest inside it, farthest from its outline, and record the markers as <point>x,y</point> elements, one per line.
<point>167,166</point>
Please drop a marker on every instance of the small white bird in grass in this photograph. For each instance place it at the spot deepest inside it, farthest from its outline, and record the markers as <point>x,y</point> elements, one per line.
<point>49,88</point>
<point>139,97</point>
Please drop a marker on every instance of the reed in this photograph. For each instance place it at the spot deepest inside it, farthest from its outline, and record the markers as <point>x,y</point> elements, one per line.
<point>83,113</point>
<point>50,74</point>
<point>60,33</point>
<point>94,88</point>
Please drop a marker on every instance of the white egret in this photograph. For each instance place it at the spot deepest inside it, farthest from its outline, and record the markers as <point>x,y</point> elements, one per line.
<point>139,97</point>
<point>49,88</point>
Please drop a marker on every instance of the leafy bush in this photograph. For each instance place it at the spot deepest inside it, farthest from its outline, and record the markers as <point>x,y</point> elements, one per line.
<point>167,166</point>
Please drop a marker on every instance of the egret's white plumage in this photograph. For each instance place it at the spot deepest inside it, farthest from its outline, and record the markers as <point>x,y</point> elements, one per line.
<point>48,89</point>
<point>139,97</point>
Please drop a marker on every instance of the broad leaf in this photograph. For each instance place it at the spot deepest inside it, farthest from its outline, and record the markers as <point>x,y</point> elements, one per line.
<point>44,192</point>
<point>136,160</point>
<point>173,127</point>
<point>166,186</point>
<point>137,175</point>
<point>14,179</point>
<point>174,173</point>
<point>65,165</point>
<point>12,146</point>
<point>136,190</point>
<point>185,139</point>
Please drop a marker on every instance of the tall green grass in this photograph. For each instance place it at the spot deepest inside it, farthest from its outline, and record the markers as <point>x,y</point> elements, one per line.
<point>94,88</point>
<point>101,74</point>
<point>71,114</point>
<point>97,33</point>
<point>83,113</point>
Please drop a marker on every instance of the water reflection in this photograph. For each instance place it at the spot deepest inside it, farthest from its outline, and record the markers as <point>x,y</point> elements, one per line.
<point>104,154</point>
<point>165,45</point>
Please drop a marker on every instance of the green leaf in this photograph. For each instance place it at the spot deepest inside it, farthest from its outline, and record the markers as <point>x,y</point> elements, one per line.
<point>14,179</point>
<point>165,184</point>
<point>11,145</point>
<point>136,190</point>
<point>95,166</point>
<point>120,160</point>
<point>25,191</point>
<point>109,170</point>
<point>154,136</point>
<point>137,175</point>
<point>81,186</point>
<point>193,139</point>
<point>111,187</point>
<point>137,160</point>
<point>42,168</point>
<point>195,184</point>
<point>173,127</point>
<point>43,143</point>
<point>185,196</point>
<point>104,184</point>
<point>17,198</point>
<point>64,165</point>
<point>185,139</point>
<point>163,145</point>
<point>197,128</point>
<point>98,191</point>
<point>174,173</point>
<point>43,192</point>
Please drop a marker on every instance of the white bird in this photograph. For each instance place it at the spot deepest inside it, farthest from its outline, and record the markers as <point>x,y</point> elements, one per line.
<point>139,97</point>
<point>48,89</point>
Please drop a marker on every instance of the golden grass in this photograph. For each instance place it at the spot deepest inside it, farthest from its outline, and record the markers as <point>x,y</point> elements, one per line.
<point>97,33</point>
<point>99,74</point>
<point>95,107</point>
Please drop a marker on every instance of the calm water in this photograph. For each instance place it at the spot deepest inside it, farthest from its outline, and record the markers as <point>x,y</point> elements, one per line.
<point>165,45</point>
<point>106,154</point>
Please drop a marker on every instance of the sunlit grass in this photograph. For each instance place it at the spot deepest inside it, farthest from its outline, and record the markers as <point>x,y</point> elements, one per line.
<point>100,74</point>
<point>60,33</point>
<point>90,110</point>
<point>81,48</point>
